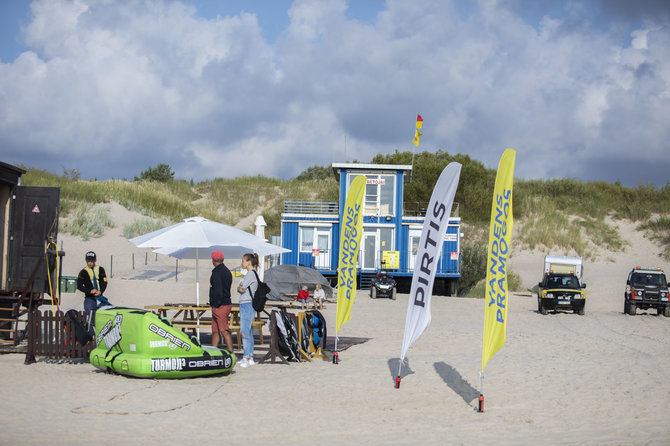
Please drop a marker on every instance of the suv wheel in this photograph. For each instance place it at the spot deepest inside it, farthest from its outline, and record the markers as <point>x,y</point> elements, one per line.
<point>666,311</point>
<point>580,311</point>
<point>632,309</point>
<point>542,309</point>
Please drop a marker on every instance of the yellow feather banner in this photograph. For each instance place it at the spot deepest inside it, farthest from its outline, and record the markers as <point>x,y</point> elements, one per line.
<point>350,238</point>
<point>500,235</point>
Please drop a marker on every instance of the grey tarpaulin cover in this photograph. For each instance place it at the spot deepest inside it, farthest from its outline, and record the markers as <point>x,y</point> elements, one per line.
<point>288,279</point>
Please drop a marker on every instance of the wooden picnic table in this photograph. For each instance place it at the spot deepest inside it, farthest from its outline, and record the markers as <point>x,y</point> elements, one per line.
<point>194,317</point>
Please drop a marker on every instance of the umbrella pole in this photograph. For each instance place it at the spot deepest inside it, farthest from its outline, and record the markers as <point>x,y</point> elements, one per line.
<point>197,291</point>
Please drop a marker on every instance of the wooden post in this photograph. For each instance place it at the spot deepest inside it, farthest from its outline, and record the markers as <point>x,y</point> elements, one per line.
<point>30,332</point>
<point>274,352</point>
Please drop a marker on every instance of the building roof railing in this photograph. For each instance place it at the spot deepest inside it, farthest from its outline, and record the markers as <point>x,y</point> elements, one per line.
<point>332,208</point>
<point>311,207</point>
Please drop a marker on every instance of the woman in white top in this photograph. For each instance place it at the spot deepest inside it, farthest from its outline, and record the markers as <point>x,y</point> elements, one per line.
<point>247,288</point>
<point>319,295</point>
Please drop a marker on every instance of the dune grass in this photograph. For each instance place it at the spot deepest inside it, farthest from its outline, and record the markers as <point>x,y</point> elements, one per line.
<point>559,215</point>
<point>658,229</point>
<point>141,226</point>
<point>224,200</point>
<point>88,220</point>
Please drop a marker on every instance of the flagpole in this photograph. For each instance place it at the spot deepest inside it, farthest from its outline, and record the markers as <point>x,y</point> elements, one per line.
<point>414,149</point>
<point>398,378</point>
<point>481,393</point>
<point>336,357</point>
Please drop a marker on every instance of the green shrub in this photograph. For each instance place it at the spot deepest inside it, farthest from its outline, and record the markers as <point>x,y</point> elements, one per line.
<point>162,173</point>
<point>478,291</point>
<point>513,281</point>
<point>473,265</point>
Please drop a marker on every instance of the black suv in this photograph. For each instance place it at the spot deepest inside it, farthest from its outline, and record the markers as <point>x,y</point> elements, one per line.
<point>646,288</point>
<point>560,292</point>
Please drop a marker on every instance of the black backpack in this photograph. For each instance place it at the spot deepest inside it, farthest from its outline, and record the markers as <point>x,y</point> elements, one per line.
<point>81,334</point>
<point>261,295</point>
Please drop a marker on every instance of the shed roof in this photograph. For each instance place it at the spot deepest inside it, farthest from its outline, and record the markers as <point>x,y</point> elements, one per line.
<point>10,174</point>
<point>380,167</point>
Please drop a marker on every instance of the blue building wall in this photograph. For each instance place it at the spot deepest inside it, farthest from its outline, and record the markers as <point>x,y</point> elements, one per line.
<point>289,240</point>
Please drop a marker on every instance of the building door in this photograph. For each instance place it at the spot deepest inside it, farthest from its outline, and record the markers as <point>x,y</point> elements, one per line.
<point>414,239</point>
<point>322,260</point>
<point>369,254</point>
<point>34,220</point>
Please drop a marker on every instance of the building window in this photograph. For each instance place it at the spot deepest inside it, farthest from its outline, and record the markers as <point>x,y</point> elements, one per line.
<point>379,194</point>
<point>306,239</point>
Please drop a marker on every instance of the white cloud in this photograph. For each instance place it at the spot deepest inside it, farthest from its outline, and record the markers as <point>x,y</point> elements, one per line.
<point>113,87</point>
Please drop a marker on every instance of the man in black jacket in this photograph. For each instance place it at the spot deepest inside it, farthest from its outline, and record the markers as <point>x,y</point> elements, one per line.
<point>92,281</point>
<point>219,299</point>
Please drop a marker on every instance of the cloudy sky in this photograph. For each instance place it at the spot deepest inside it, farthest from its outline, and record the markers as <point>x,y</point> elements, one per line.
<point>580,89</point>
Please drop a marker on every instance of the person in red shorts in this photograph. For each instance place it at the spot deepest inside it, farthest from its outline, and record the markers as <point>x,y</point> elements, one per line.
<point>219,299</point>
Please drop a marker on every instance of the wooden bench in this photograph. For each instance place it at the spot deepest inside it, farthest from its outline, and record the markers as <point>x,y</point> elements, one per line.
<point>295,303</point>
<point>191,318</point>
<point>233,328</point>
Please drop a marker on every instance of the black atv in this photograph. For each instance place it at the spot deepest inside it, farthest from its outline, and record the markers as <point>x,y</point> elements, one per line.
<point>383,285</point>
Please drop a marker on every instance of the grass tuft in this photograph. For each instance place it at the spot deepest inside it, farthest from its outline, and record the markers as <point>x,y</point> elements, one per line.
<point>88,220</point>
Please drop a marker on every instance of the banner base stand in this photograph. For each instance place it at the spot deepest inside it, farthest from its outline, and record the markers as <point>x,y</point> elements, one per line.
<point>397,383</point>
<point>336,358</point>
<point>481,404</point>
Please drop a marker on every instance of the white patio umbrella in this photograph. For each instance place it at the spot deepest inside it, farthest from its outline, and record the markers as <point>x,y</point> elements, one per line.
<point>197,237</point>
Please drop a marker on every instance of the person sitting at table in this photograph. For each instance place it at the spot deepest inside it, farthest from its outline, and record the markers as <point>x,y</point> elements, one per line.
<point>303,295</point>
<point>220,283</point>
<point>319,296</point>
<point>247,288</point>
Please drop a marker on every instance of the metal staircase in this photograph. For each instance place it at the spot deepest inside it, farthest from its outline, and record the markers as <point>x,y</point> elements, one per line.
<point>366,280</point>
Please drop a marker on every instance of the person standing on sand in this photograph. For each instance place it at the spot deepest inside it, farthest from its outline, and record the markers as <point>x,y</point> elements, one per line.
<point>247,289</point>
<point>92,281</point>
<point>219,299</point>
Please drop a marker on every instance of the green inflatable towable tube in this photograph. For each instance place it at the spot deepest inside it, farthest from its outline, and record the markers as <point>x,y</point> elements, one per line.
<point>138,343</point>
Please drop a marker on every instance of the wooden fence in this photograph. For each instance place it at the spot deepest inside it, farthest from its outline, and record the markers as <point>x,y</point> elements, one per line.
<point>53,335</point>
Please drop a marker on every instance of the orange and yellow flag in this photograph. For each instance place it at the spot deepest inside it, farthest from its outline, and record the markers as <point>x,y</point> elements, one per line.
<point>417,133</point>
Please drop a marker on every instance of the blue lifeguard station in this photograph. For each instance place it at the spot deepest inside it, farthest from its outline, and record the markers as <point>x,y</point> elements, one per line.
<point>311,230</point>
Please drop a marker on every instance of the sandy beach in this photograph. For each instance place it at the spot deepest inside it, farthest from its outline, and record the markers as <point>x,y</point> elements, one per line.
<point>601,378</point>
